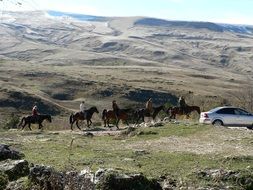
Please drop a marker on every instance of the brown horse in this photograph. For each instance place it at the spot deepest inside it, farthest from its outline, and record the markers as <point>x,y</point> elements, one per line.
<point>108,115</point>
<point>80,116</point>
<point>141,113</point>
<point>33,120</point>
<point>173,111</point>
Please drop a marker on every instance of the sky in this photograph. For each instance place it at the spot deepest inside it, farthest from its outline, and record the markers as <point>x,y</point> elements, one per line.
<point>220,11</point>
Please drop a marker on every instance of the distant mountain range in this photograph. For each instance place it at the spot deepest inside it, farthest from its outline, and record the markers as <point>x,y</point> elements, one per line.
<point>81,17</point>
<point>217,27</point>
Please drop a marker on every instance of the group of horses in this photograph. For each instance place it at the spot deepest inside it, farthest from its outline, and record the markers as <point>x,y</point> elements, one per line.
<point>109,115</point>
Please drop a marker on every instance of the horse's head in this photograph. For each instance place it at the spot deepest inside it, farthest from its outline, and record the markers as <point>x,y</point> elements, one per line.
<point>94,109</point>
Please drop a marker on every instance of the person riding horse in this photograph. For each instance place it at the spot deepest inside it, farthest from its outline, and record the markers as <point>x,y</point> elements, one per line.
<point>116,109</point>
<point>35,112</point>
<point>181,103</point>
<point>149,106</point>
<point>82,109</point>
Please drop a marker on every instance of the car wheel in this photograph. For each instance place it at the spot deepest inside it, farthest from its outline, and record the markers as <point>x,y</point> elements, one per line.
<point>218,123</point>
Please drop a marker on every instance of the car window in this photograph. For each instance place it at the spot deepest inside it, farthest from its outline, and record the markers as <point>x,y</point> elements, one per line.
<point>226,111</point>
<point>241,112</point>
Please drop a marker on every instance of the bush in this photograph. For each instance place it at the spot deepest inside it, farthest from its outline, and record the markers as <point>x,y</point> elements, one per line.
<point>12,122</point>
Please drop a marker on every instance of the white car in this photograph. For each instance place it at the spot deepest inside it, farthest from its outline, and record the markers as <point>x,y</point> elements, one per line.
<point>227,116</point>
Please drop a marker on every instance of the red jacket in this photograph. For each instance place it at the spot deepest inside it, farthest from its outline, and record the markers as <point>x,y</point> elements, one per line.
<point>34,111</point>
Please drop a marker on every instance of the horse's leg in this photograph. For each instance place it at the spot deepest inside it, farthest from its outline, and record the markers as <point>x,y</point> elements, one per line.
<point>117,123</point>
<point>88,123</point>
<point>22,128</point>
<point>138,119</point>
<point>78,125</point>
<point>71,125</point>
<point>41,126</point>
<point>29,126</point>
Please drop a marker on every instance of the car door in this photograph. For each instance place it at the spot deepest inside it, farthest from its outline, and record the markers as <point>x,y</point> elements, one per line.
<point>245,118</point>
<point>228,116</point>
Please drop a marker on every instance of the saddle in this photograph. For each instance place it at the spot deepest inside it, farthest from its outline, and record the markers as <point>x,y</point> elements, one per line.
<point>34,118</point>
<point>84,113</point>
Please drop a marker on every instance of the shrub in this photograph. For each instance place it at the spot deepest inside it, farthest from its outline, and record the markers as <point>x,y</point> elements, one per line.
<point>12,122</point>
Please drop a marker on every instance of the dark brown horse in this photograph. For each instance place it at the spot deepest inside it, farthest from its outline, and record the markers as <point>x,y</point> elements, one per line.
<point>80,116</point>
<point>28,120</point>
<point>109,115</point>
<point>141,113</point>
<point>173,111</point>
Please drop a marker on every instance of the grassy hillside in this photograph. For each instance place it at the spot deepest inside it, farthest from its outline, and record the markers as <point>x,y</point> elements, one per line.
<point>59,62</point>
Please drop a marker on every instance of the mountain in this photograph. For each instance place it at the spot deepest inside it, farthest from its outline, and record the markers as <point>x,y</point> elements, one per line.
<point>59,58</point>
<point>166,23</point>
<point>80,17</point>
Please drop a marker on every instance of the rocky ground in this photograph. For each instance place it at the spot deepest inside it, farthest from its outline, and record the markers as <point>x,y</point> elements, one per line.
<point>148,156</point>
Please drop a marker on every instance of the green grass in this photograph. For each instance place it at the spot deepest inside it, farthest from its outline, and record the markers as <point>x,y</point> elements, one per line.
<point>113,152</point>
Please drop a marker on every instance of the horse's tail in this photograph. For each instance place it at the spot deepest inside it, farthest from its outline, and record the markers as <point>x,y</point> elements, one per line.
<point>198,109</point>
<point>21,122</point>
<point>104,114</point>
<point>71,118</point>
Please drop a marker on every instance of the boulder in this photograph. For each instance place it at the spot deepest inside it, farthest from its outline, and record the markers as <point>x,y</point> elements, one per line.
<point>16,185</point>
<point>45,177</point>
<point>3,180</point>
<point>118,180</point>
<point>14,169</point>
<point>7,153</point>
<point>239,178</point>
<point>79,181</point>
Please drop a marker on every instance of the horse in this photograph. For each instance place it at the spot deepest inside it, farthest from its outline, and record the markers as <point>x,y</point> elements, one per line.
<point>173,111</point>
<point>34,119</point>
<point>80,116</point>
<point>108,115</point>
<point>141,113</point>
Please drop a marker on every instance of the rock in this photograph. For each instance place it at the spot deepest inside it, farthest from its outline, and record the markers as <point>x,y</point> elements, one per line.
<point>16,185</point>
<point>45,177</point>
<point>130,131</point>
<point>3,180</point>
<point>88,134</point>
<point>243,178</point>
<point>79,181</point>
<point>116,180</point>
<point>14,169</point>
<point>158,124</point>
<point>141,152</point>
<point>169,185</point>
<point>7,153</point>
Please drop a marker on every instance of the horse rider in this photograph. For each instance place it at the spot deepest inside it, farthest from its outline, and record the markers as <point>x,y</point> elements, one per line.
<point>35,112</point>
<point>149,106</point>
<point>115,108</point>
<point>181,104</point>
<point>83,109</point>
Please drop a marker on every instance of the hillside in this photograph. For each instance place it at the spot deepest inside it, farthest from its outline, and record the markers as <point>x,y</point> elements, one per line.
<point>57,59</point>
